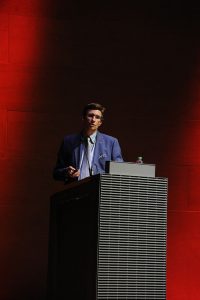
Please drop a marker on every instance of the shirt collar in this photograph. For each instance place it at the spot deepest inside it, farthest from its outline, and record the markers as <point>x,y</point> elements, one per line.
<point>93,137</point>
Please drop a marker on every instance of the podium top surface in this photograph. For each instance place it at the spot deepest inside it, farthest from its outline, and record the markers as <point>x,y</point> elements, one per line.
<point>130,168</point>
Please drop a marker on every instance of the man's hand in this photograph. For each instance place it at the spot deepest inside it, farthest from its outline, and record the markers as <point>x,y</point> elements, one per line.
<point>72,172</point>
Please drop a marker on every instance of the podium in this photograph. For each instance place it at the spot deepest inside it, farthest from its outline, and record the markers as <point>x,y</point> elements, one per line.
<point>107,239</point>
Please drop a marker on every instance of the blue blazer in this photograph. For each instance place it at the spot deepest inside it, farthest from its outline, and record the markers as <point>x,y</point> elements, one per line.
<point>107,148</point>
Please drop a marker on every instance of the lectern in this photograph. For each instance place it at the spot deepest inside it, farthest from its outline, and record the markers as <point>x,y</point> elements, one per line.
<point>107,239</point>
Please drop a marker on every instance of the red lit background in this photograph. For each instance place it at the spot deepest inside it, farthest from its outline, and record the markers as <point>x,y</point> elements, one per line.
<point>142,62</point>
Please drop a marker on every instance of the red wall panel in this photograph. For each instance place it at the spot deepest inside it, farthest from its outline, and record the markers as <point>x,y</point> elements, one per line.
<point>4,38</point>
<point>183,255</point>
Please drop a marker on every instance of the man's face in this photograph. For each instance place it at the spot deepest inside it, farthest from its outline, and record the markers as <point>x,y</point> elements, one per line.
<point>93,120</point>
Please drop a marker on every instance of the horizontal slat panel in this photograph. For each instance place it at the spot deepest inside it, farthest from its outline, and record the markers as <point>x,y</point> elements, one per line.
<point>132,238</point>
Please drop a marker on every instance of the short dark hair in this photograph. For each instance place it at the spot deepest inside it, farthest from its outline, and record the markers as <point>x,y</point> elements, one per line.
<point>95,106</point>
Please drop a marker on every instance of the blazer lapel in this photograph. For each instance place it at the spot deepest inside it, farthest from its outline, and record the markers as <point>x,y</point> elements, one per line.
<point>77,151</point>
<point>99,148</point>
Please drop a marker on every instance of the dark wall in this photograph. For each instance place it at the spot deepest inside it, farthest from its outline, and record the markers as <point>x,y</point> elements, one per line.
<point>142,62</point>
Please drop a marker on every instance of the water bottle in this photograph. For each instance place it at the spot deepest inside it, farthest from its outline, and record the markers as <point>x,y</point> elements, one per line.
<point>139,160</point>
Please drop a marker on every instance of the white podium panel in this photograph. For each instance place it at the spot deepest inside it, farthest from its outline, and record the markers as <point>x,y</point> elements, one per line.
<point>129,168</point>
<point>132,238</point>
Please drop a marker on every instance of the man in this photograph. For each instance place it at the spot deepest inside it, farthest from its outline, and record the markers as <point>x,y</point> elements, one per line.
<point>85,154</point>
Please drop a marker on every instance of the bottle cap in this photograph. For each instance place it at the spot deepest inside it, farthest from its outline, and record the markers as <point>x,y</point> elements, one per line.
<point>139,160</point>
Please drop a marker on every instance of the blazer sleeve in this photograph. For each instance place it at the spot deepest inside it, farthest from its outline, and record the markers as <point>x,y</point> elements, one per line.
<point>116,151</point>
<point>64,159</point>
